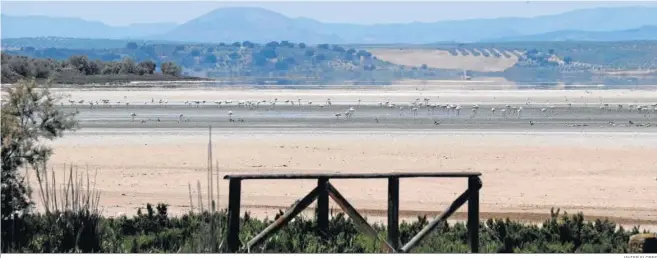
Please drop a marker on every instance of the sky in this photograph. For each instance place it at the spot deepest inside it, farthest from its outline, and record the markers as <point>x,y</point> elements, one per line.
<point>121,13</point>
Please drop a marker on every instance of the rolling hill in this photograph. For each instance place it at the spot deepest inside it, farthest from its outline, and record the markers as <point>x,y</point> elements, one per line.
<point>262,25</point>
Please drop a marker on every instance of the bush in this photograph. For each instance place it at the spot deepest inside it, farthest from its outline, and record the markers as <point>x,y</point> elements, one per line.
<point>152,230</point>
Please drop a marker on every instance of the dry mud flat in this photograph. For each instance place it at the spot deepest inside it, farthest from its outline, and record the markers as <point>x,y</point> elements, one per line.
<point>601,170</point>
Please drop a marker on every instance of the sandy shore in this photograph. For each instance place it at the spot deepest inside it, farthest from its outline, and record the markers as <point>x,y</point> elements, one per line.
<point>603,173</point>
<point>522,173</point>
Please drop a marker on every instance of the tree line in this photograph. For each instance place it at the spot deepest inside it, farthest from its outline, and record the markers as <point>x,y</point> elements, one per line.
<point>15,67</point>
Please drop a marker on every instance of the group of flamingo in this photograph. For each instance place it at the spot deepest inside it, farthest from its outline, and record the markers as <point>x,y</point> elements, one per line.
<point>504,111</point>
<point>108,103</point>
<point>452,109</point>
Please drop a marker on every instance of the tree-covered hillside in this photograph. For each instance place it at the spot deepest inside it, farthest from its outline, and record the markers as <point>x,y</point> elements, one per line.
<point>246,61</point>
<point>284,62</point>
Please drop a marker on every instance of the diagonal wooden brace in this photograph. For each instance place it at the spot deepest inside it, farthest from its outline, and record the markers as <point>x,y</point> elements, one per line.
<point>285,218</point>
<point>359,221</point>
<point>442,217</point>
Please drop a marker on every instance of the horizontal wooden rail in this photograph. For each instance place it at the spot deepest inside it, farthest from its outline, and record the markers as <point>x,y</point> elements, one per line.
<point>351,175</point>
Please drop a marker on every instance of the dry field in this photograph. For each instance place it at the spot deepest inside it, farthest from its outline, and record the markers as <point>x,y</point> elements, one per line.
<point>442,59</point>
<point>600,169</point>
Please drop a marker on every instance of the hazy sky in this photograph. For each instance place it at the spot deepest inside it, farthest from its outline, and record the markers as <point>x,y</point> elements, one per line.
<point>365,12</point>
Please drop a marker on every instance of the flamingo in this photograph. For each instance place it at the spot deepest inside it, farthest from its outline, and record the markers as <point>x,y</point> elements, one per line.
<point>519,112</point>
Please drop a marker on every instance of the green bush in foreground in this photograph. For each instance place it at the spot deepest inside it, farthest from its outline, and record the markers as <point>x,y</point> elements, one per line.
<point>152,230</point>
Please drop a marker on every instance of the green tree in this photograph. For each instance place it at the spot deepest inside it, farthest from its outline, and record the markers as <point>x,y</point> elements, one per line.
<point>248,44</point>
<point>320,57</point>
<point>338,49</point>
<point>302,45</point>
<point>211,59</point>
<point>268,52</point>
<point>96,66</point>
<point>282,65</point>
<point>29,116</point>
<point>233,55</point>
<point>128,66</point>
<point>146,67</point>
<point>81,63</point>
<point>131,45</point>
<point>286,43</point>
<point>8,75</point>
<point>310,52</point>
<point>42,68</point>
<point>170,68</point>
<point>22,67</point>
<point>259,59</point>
<point>111,68</point>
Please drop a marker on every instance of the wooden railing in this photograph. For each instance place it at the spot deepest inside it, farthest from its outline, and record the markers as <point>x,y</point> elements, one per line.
<point>324,190</point>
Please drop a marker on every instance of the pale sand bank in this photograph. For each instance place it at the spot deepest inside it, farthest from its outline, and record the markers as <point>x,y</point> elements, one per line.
<point>600,174</point>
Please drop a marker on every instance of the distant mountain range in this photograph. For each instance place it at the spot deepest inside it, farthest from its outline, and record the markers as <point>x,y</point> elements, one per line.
<point>642,33</point>
<point>262,25</point>
<point>44,26</point>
